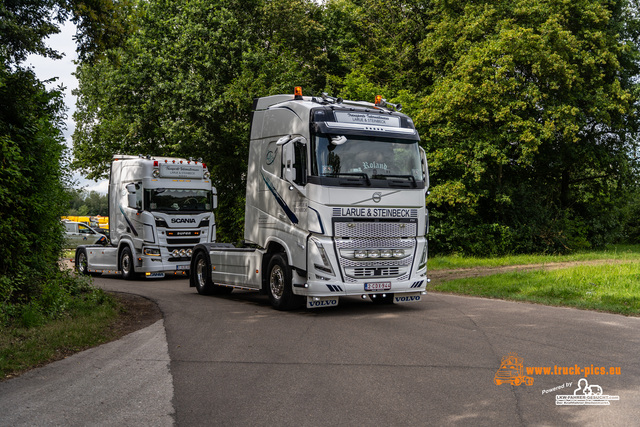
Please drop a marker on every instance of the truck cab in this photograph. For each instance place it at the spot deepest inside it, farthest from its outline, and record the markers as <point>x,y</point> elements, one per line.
<point>159,209</point>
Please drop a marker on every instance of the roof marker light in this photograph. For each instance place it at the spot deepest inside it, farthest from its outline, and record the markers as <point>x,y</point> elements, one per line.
<point>297,91</point>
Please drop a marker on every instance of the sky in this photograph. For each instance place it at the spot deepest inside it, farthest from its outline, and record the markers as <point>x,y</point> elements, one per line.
<point>63,69</point>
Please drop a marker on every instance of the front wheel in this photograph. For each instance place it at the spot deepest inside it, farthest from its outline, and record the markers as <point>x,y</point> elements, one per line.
<point>126,264</point>
<point>280,290</point>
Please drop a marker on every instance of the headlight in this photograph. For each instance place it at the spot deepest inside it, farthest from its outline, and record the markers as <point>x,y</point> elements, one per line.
<point>386,253</point>
<point>398,253</point>
<point>326,264</point>
<point>423,258</point>
<point>151,251</point>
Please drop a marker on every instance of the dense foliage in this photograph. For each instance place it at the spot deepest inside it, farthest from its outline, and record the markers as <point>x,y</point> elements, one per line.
<point>527,109</point>
<point>32,176</point>
<point>183,85</point>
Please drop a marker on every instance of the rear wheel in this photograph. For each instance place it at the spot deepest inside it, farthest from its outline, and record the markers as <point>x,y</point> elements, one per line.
<point>202,277</point>
<point>280,290</point>
<point>81,261</point>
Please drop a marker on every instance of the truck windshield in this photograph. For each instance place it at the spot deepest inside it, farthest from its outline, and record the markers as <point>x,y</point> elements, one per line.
<point>173,199</point>
<point>366,161</point>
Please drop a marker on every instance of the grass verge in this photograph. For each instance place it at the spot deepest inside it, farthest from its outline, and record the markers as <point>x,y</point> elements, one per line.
<point>611,288</point>
<point>84,325</point>
<point>613,252</point>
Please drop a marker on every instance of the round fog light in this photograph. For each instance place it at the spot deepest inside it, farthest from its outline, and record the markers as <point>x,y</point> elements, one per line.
<point>175,253</point>
<point>189,252</point>
<point>183,252</point>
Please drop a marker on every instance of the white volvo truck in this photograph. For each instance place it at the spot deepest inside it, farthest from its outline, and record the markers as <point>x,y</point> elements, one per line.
<point>159,209</point>
<point>335,206</point>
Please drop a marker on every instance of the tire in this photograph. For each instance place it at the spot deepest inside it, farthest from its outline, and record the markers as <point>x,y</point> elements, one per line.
<point>379,299</point>
<point>279,285</point>
<point>201,277</point>
<point>81,261</point>
<point>126,264</point>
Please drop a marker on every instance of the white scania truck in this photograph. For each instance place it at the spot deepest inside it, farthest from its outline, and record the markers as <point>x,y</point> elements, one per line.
<point>335,206</point>
<point>159,209</point>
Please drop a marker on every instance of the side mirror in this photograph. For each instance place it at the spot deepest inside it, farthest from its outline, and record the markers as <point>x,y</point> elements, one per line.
<point>288,160</point>
<point>132,199</point>
<point>425,168</point>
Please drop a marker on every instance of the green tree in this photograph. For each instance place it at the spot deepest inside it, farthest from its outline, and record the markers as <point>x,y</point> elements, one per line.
<point>528,121</point>
<point>31,180</point>
<point>183,85</point>
<point>92,203</point>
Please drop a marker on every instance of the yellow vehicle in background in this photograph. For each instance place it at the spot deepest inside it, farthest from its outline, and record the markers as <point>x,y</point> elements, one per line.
<point>96,222</point>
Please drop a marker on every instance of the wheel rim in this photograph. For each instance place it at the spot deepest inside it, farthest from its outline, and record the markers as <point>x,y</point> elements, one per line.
<point>82,262</point>
<point>126,264</point>
<point>200,272</point>
<point>276,282</point>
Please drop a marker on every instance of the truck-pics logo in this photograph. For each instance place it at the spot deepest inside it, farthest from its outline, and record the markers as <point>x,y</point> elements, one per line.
<point>512,371</point>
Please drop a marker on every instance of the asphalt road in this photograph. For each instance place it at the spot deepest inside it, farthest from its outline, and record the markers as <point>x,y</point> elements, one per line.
<point>235,361</point>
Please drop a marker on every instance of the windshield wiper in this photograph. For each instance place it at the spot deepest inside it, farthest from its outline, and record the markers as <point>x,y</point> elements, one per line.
<point>358,174</point>
<point>410,178</point>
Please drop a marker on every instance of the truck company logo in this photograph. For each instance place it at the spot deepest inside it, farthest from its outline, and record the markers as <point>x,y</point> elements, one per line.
<point>181,171</point>
<point>271,157</point>
<point>321,302</point>
<point>408,298</point>
<point>183,221</point>
<point>376,212</point>
<point>368,119</point>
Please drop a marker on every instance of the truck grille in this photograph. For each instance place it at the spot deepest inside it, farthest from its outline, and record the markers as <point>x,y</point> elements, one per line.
<point>375,229</point>
<point>183,240</point>
<point>384,236</point>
